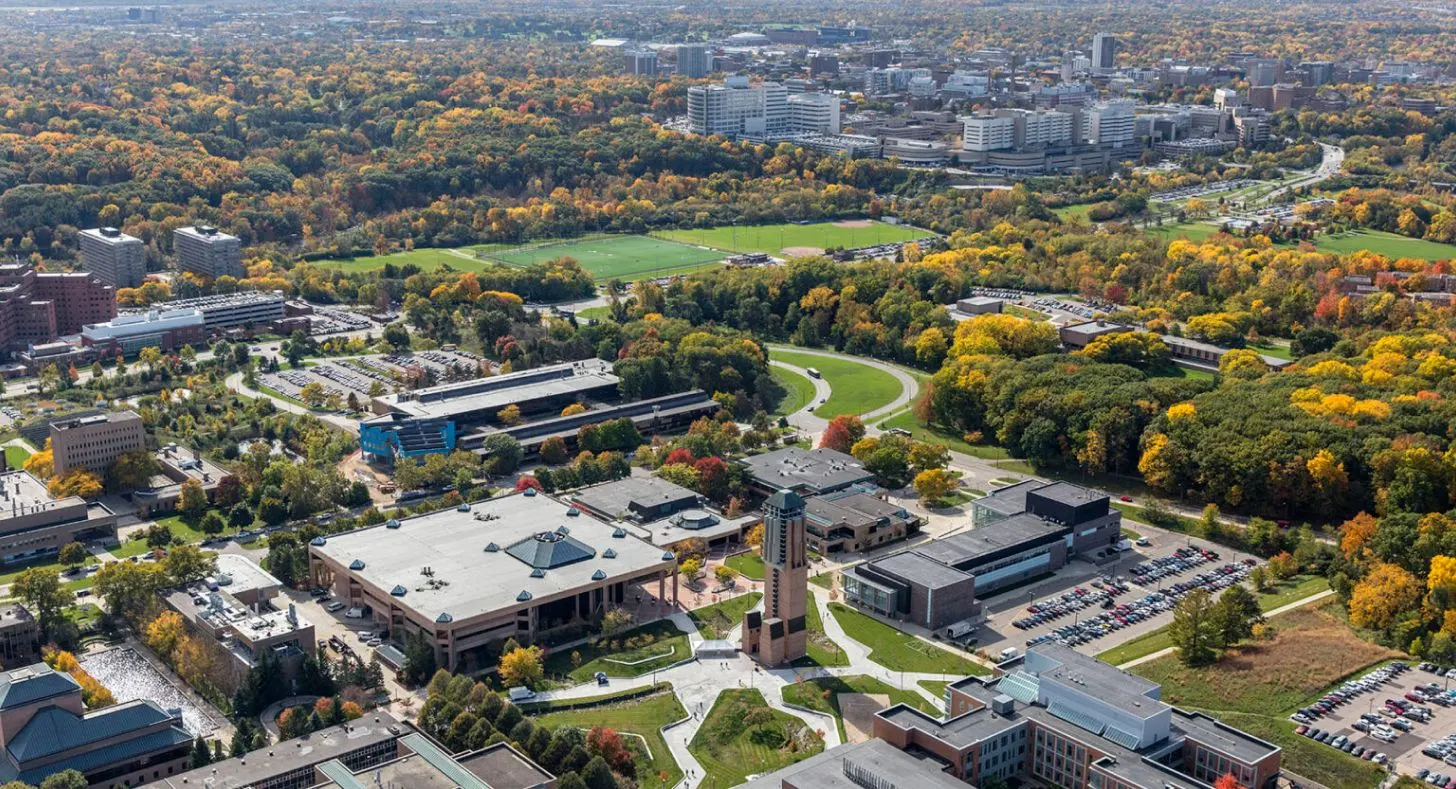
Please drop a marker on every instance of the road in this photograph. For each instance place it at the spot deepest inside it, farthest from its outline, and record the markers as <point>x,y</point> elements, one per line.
<point>805,419</point>
<point>1334,159</point>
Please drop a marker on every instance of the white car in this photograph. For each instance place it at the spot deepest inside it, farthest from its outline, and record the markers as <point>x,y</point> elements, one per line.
<point>365,635</point>
<point>354,613</point>
<point>334,607</point>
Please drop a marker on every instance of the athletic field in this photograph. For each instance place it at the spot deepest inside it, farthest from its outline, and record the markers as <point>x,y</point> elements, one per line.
<point>615,256</point>
<point>791,240</point>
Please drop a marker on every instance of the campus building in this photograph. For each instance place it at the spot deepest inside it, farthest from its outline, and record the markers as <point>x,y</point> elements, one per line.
<point>376,750</point>
<point>19,636</point>
<point>694,60</point>
<point>127,335</point>
<point>233,612</point>
<point>661,512</point>
<point>737,109</point>
<point>392,436</point>
<point>206,251</point>
<point>95,442</point>
<point>777,635</point>
<point>854,520</point>
<point>44,729</point>
<point>1021,532</point>
<point>175,467</point>
<point>113,257</point>
<point>478,401</point>
<point>1062,718</point>
<point>872,763</point>
<point>33,524</point>
<point>37,307</point>
<point>807,472</point>
<point>470,577</point>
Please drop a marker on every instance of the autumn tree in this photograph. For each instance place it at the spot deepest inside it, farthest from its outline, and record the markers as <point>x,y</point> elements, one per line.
<point>76,482</point>
<point>73,554</point>
<point>41,465</point>
<point>842,433</point>
<point>1385,593</point>
<point>41,591</point>
<point>521,666</point>
<point>933,484</point>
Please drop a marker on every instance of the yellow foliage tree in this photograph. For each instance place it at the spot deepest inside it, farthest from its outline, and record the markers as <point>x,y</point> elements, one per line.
<point>573,409</point>
<point>76,482</point>
<point>42,464</point>
<point>521,666</point>
<point>1386,592</point>
<point>1327,472</point>
<point>164,632</point>
<point>1355,533</point>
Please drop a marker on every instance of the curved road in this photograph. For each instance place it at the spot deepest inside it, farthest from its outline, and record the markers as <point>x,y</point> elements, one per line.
<point>908,385</point>
<point>1330,164</point>
<point>821,391</point>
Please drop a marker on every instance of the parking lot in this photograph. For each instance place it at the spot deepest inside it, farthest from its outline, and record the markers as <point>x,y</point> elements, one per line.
<point>1199,190</point>
<point>1144,585</point>
<point>1409,715</point>
<point>388,372</point>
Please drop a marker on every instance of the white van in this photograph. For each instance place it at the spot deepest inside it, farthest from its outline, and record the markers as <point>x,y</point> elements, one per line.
<point>1009,653</point>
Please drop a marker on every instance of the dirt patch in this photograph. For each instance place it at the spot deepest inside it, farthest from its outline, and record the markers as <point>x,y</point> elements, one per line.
<point>798,252</point>
<point>858,710</point>
<point>1310,648</point>
<point>853,223</point>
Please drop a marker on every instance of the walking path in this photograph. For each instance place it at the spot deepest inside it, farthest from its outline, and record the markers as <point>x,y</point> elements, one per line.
<point>1314,598</point>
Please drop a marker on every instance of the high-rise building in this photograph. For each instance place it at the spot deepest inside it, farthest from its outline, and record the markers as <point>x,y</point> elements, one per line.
<point>113,256</point>
<point>1263,73</point>
<point>1318,72</point>
<point>95,442</point>
<point>209,252</point>
<point>737,109</point>
<point>777,635</point>
<point>1110,124</point>
<point>694,60</point>
<point>1014,128</point>
<point>642,63</point>
<point>1104,53</point>
<point>814,112</point>
<point>823,63</point>
<point>1073,63</point>
<point>988,133</point>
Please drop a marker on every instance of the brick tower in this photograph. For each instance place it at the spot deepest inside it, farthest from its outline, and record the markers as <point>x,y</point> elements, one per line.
<point>776,635</point>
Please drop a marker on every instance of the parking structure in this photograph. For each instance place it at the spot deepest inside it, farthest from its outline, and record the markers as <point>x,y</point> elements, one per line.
<point>1408,716</point>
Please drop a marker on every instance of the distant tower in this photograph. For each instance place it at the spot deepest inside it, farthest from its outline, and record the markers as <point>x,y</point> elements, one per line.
<point>776,635</point>
<point>1104,53</point>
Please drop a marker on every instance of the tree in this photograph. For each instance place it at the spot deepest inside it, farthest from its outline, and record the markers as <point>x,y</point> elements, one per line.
<point>509,416</point>
<point>553,451</point>
<point>842,433</point>
<point>132,471</point>
<point>1227,780</point>
<point>1236,614</point>
<point>41,465</point>
<point>130,588</point>
<point>502,454</point>
<point>1194,631</point>
<point>213,523</point>
<point>933,484</point>
<point>1386,592</point>
<point>187,563</point>
<point>755,536</point>
<point>606,743</point>
<point>691,568</point>
<point>73,554</point>
<point>41,591</point>
<point>164,633</point>
<point>615,620</point>
<point>65,779</point>
<point>521,666</point>
<point>725,574</point>
<point>192,500</point>
<point>419,658</point>
<point>75,482</point>
<point>598,775</point>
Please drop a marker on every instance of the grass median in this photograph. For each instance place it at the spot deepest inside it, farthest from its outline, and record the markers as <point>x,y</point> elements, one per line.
<point>900,651</point>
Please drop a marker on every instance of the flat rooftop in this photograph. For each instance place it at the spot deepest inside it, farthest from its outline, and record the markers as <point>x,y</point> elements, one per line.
<point>1008,534</point>
<point>245,574</point>
<point>1091,329</point>
<point>912,566</point>
<point>281,758</point>
<point>626,497</point>
<point>1010,500</point>
<point>874,761</point>
<point>810,470</point>
<point>1069,494</point>
<point>487,395</point>
<point>473,556</point>
<point>853,508</point>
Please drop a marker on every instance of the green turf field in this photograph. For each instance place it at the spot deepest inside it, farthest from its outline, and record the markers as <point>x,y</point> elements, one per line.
<point>774,239</point>
<point>461,259</point>
<point>1387,244</point>
<point>620,257</point>
<point>855,388</point>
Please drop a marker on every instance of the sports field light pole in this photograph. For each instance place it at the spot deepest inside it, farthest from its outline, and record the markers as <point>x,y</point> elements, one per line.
<point>735,235</point>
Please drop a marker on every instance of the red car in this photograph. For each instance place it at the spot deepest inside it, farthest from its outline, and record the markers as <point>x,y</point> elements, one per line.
<point>1125,498</point>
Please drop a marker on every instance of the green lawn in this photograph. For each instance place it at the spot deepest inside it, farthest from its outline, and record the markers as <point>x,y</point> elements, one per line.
<point>1174,371</point>
<point>899,651</point>
<point>1145,644</point>
<point>822,651</point>
<point>658,645</point>
<point>743,736</point>
<point>774,239</point>
<point>595,313</point>
<point>129,548</point>
<point>1277,350</point>
<point>825,580</point>
<point>906,421</point>
<point>15,456</point>
<point>935,686</point>
<point>822,695</point>
<point>749,564</point>
<point>645,717</point>
<point>462,259</point>
<point>1070,212</point>
<point>857,388</point>
<point>1387,244</point>
<point>1291,590</point>
<point>714,621</point>
<point>798,391</point>
<point>181,529</point>
<point>615,257</point>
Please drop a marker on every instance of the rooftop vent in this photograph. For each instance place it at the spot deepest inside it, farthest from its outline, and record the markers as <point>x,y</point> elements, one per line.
<point>538,573</point>
<point>357,564</point>
<point>391,524</point>
<point>572,512</point>
<point>318,542</point>
<point>523,596</point>
<point>530,492</point>
<point>599,575</point>
<point>609,554</point>
<point>398,591</point>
